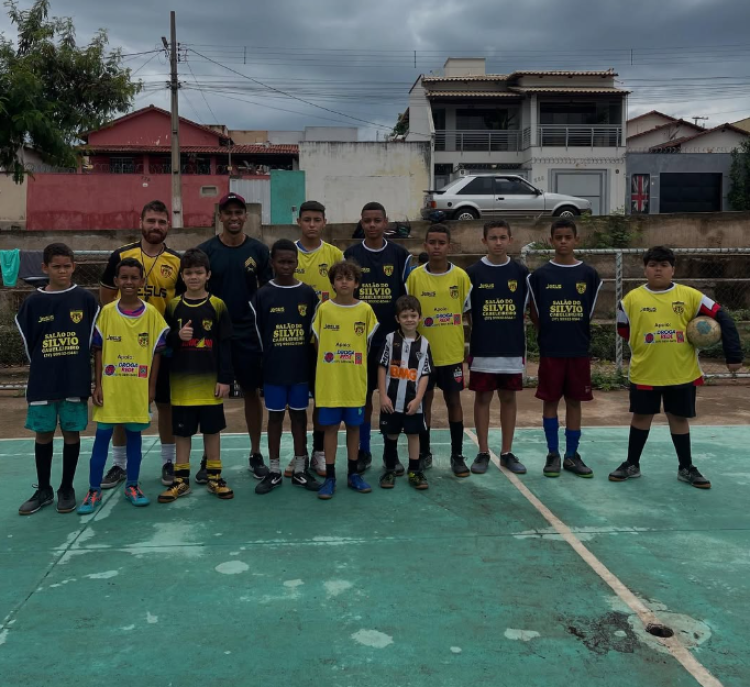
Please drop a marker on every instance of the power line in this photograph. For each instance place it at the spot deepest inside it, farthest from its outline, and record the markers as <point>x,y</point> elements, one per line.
<point>205,100</point>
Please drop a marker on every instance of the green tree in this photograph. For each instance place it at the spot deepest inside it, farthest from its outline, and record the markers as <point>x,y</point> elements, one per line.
<point>739,175</point>
<point>52,90</point>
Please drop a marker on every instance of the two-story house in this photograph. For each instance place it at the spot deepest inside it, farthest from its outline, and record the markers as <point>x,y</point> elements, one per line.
<point>562,130</point>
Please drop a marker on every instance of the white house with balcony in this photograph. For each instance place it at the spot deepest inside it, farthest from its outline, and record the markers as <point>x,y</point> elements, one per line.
<point>562,130</point>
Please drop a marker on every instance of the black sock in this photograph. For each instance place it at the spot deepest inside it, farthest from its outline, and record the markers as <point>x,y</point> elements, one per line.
<point>318,440</point>
<point>43,455</point>
<point>351,467</point>
<point>331,471</point>
<point>682,446</point>
<point>424,442</point>
<point>390,453</point>
<point>70,463</point>
<point>414,465</point>
<point>636,442</point>
<point>457,438</point>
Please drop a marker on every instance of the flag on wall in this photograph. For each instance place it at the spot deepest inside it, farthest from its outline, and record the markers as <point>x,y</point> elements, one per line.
<point>640,193</point>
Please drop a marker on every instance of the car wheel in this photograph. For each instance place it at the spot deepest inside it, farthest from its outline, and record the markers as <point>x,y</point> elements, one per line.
<point>567,211</point>
<point>465,214</point>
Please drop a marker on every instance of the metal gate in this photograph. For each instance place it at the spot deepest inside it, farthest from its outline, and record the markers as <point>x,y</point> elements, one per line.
<point>255,191</point>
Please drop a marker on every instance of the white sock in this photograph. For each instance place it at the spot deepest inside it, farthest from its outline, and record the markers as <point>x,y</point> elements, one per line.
<point>168,453</point>
<point>300,463</point>
<point>275,465</point>
<point>119,457</point>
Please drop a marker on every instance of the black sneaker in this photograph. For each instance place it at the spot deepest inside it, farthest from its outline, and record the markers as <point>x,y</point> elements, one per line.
<point>418,481</point>
<point>692,476</point>
<point>167,474</point>
<point>425,460</point>
<point>364,461</point>
<point>625,471</point>
<point>40,499</point>
<point>304,479</point>
<point>115,475</point>
<point>258,467</point>
<point>552,466</point>
<point>510,462</point>
<point>201,477</point>
<point>269,482</point>
<point>459,467</point>
<point>480,464</point>
<point>575,465</point>
<point>66,500</point>
<point>388,479</point>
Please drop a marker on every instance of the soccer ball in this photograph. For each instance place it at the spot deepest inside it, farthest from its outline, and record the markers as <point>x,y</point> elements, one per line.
<point>703,332</point>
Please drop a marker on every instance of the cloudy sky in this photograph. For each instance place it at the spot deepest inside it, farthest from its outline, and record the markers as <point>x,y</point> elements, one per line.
<point>290,63</point>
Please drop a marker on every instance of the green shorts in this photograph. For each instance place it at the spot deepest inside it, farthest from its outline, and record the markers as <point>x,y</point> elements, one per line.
<point>73,416</point>
<point>130,426</point>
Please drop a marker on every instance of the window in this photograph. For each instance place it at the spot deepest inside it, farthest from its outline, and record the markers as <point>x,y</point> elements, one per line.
<point>481,186</point>
<point>121,165</point>
<point>512,187</point>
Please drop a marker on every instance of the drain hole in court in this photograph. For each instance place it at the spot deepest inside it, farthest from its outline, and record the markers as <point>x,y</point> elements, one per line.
<point>659,630</point>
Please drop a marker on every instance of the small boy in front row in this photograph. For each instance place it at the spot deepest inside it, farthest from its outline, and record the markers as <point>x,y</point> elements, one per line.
<point>405,365</point>
<point>56,323</point>
<point>343,328</point>
<point>200,372</point>
<point>128,340</point>
<point>664,365</point>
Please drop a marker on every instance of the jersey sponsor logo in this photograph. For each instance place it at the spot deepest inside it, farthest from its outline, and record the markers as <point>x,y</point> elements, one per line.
<point>359,328</point>
<point>357,358</point>
<point>114,339</point>
<point>454,291</point>
<point>279,309</point>
<point>512,285</point>
<point>648,309</point>
<point>46,318</point>
<point>388,270</point>
<point>76,316</point>
<point>151,291</point>
<point>207,324</point>
<point>581,287</point>
<point>323,269</point>
<point>109,370</point>
<point>143,338</point>
<point>427,294</point>
<point>302,309</point>
<point>457,319</point>
<point>328,357</point>
<point>143,371</point>
<point>250,264</point>
<point>428,322</point>
<point>678,307</point>
<point>324,295</point>
<point>553,286</point>
<point>166,271</point>
<point>487,286</point>
<point>331,327</point>
<point>398,372</point>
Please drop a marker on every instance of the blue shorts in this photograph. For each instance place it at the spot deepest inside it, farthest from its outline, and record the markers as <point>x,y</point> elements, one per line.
<point>278,397</point>
<point>351,417</point>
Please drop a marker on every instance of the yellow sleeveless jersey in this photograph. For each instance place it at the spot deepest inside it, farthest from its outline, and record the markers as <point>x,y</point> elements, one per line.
<point>444,299</point>
<point>128,345</point>
<point>344,333</point>
<point>312,268</point>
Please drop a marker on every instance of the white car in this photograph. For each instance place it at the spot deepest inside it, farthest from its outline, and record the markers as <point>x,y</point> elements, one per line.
<point>493,195</point>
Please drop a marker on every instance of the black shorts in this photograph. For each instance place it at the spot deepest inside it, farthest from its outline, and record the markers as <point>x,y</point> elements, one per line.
<point>679,400</point>
<point>188,420</point>
<point>163,394</point>
<point>447,378</point>
<point>395,423</point>
<point>372,369</point>
<point>248,369</point>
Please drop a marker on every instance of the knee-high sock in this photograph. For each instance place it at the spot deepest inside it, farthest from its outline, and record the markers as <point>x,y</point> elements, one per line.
<point>43,456</point>
<point>551,426</point>
<point>133,445</point>
<point>365,430</point>
<point>99,457</point>
<point>70,463</point>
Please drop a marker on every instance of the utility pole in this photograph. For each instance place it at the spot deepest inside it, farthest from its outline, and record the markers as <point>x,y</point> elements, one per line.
<point>696,119</point>
<point>174,86</point>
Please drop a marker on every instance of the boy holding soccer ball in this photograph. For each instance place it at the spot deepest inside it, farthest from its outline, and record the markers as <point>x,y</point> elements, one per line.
<point>664,364</point>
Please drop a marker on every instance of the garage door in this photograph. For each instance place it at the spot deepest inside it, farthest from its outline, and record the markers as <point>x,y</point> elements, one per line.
<point>588,185</point>
<point>693,192</point>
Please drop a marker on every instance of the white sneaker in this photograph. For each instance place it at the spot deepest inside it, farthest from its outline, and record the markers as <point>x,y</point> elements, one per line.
<point>289,470</point>
<point>318,463</point>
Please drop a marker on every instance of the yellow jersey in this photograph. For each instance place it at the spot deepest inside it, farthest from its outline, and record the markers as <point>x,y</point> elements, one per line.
<point>344,333</point>
<point>313,266</point>
<point>444,299</point>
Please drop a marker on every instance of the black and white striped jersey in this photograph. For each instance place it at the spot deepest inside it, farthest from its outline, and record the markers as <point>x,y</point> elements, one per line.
<point>405,361</point>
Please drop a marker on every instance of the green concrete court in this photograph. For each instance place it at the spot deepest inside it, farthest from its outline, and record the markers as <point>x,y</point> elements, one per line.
<point>465,584</point>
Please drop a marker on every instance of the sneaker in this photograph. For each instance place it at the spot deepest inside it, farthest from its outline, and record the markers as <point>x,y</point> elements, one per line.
<point>305,480</point>
<point>289,469</point>
<point>257,466</point>
<point>269,483</point>
<point>181,487</point>
<point>66,500</point>
<point>220,489</point>
<point>364,461</point>
<point>399,469</point>
<point>92,501</point>
<point>458,465</point>
<point>356,482</point>
<point>552,466</point>
<point>625,471</point>
<point>115,475</point>
<point>201,477</point>
<point>134,494</point>
<point>479,466</point>
<point>388,479</point>
<point>692,476</point>
<point>329,487</point>
<point>167,474</point>
<point>40,499</point>
<point>575,465</point>
<point>510,462</point>
<point>418,481</point>
<point>426,459</point>
<point>318,463</point>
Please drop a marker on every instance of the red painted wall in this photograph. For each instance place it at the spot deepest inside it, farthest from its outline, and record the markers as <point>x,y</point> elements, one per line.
<point>114,201</point>
<point>152,128</point>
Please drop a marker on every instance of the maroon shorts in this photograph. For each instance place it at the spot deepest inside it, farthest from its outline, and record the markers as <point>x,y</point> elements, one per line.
<point>568,377</point>
<point>494,381</point>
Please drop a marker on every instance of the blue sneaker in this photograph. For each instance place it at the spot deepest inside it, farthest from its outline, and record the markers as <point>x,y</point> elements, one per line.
<point>326,491</point>
<point>92,501</point>
<point>134,494</point>
<point>356,482</point>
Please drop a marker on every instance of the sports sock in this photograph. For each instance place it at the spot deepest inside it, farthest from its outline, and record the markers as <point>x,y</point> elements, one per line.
<point>424,442</point>
<point>330,471</point>
<point>636,442</point>
<point>390,453</point>
<point>300,463</point>
<point>414,465</point>
<point>318,440</point>
<point>457,438</point>
<point>572,439</point>
<point>213,469</point>
<point>168,453</point>
<point>99,457</point>
<point>274,465</point>
<point>70,463</point>
<point>119,456</point>
<point>182,471</point>
<point>365,429</point>
<point>351,467</point>
<point>133,447</point>
<point>43,456</point>
<point>682,446</point>
<point>551,426</point>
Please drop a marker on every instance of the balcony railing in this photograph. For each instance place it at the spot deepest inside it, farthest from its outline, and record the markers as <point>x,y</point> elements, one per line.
<point>566,136</point>
<point>457,140</point>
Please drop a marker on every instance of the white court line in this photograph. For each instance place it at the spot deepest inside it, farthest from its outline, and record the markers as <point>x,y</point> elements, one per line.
<point>646,616</point>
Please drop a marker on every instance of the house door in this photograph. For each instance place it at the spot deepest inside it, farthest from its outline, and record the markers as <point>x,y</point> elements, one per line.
<point>589,184</point>
<point>690,192</point>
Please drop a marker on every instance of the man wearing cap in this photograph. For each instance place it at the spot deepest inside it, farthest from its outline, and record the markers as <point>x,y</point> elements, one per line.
<point>240,265</point>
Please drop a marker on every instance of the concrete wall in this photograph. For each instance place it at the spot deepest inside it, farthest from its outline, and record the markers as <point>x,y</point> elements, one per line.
<point>12,202</point>
<point>654,138</point>
<point>647,123</point>
<point>345,176</point>
<point>345,134</point>
<point>719,141</point>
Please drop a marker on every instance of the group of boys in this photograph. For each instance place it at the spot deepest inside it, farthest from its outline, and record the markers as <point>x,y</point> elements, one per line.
<point>305,319</point>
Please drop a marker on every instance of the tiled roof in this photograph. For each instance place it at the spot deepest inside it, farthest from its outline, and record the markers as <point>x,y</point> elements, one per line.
<point>476,77</point>
<point>674,122</point>
<point>198,150</point>
<point>674,143</point>
<point>583,90</point>
<point>563,72</point>
<point>652,112</point>
<point>471,94</point>
<point>721,127</point>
